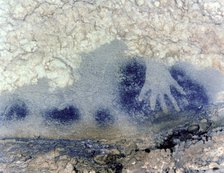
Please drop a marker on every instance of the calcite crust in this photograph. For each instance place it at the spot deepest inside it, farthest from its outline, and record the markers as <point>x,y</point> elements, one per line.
<point>45,38</point>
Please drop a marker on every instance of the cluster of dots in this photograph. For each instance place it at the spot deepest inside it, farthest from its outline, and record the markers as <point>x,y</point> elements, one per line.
<point>129,87</point>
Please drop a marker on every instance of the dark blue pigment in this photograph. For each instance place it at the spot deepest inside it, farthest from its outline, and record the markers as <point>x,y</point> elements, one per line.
<point>131,83</point>
<point>169,104</point>
<point>195,92</point>
<point>66,115</point>
<point>104,117</point>
<point>18,111</point>
<point>73,148</point>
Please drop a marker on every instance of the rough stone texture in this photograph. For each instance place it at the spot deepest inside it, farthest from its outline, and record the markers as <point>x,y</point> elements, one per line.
<point>206,155</point>
<point>188,156</point>
<point>44,38</point>
<point>202,152</point>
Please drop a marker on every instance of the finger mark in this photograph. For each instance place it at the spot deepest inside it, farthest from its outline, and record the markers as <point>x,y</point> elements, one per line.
<point>163,104</point>
<point>174,102</point>
<point>152,100</point>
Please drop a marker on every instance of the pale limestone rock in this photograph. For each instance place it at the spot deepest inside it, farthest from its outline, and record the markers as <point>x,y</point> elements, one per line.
<point>59,31</point>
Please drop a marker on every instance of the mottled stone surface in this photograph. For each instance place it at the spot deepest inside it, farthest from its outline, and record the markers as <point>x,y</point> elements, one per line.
<point>95,86</point>
<point>44,38</point>
<point>200,150</point>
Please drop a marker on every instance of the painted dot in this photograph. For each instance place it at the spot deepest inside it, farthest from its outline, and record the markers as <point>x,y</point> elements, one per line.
<point>18,111</point>
<point>104,117</point>
<point>65,115</point>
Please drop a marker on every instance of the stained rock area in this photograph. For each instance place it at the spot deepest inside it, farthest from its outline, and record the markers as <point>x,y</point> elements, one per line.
<point>187,148</point>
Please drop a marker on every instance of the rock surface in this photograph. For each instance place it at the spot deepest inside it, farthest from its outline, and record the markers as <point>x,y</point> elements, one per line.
<point>47,40</point>
<point>170,152</point>
<point>44,38</point>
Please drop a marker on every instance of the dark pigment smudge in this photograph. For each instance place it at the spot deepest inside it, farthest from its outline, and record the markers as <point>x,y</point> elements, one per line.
<point>18,110</point>
<point>131,83</point>
<point>66,115</point>
<point>103,117</point>
<point>196,95</point>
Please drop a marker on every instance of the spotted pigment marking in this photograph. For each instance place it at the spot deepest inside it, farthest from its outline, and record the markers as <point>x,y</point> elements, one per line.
<point>114,91</point>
